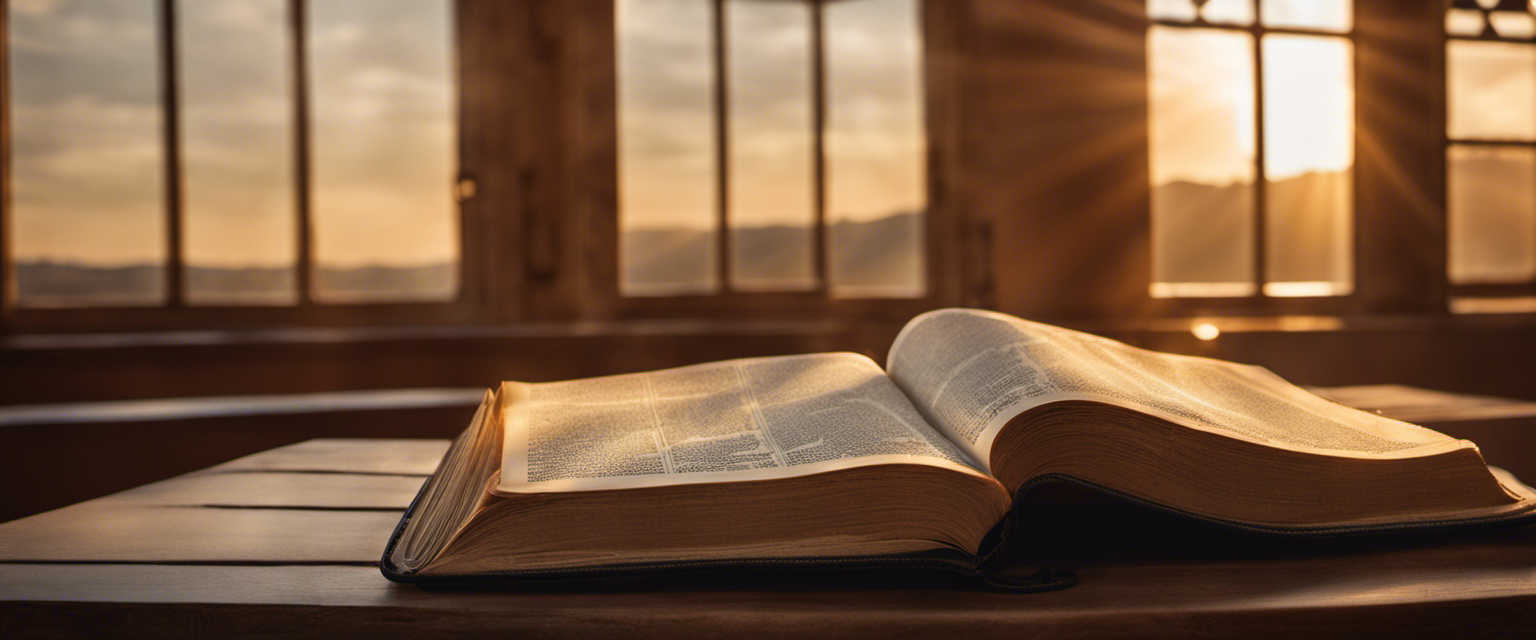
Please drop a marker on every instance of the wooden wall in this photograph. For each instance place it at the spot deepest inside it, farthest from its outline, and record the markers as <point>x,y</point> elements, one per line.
<point>1039,126</point>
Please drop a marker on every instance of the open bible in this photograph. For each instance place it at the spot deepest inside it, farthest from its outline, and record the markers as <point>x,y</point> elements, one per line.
<point>828,460</point>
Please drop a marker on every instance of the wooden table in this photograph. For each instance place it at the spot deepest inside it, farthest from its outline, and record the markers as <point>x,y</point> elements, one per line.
<point>285,543</point>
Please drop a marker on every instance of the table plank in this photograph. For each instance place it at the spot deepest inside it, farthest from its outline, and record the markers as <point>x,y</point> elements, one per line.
<point>106,532</point>
<point>1468,584</point>
<point>1412,404</point>
<point>344,455</point>
<point>1157,600</point>
<point>276,489</point>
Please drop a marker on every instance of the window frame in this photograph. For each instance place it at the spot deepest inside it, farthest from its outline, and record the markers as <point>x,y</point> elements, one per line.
<point>1259,302</point>
<point>174,312</point>
<point>940,220</point>
<point>1496,290</point>
<point>544,215</point>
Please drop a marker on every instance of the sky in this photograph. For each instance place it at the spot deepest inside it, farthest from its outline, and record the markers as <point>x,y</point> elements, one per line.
<point>875,145</point>
<point>88,165</point>
<point>1205,118</point>
<point>1487,79</point>
<point>1203,105</point>
<point>1203,92</point>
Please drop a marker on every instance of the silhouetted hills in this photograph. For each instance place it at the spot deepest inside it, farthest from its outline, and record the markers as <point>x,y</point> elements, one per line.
<point>60,283</point>
<point>1491,206</point>
<point>1202,231</point>
<point>49,283</point>
<point>882,257</point>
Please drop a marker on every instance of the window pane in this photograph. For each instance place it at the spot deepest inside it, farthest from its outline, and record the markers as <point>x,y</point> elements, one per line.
<point>1180,10</point>
<point>1464,22</point>
<point>667,171</point>
<point>1202,139</point>
<point>237,151</point>
<point>383,150</point>
<point>1309,141</point>
<point>1513,24</point>
<point>877,192</point>
<point>772,204</point>
<point>1491,90</point>
<point>88,211</point>
<point>1238,12</point>
<point>1492,213</point>
<point>1324,15</point>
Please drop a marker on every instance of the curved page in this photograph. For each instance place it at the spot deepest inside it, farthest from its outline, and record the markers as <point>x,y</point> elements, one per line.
<point>971,371</point>
<point>738,420</point>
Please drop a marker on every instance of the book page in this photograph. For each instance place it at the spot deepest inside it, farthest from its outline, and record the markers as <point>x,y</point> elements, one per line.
<point>971,371</point>
<point>738,420</point>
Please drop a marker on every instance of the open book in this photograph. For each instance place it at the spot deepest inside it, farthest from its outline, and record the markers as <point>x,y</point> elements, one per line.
<point>828,460</point>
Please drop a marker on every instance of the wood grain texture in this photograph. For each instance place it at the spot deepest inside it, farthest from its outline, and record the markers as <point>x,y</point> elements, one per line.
<point>348,455</point>
<point>65,464</point>
<point>1405,595</point>
<point>1473,584</point>
<point>276,489</point>
<point>100,531</point>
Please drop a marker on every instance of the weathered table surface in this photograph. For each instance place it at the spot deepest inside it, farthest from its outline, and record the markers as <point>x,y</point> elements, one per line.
<point>285,542</point>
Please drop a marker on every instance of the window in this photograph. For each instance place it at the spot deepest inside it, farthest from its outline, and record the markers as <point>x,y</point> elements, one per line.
<point>1252,148</point>
<point>1491,156</point>
<point>230,153</point>
<point>771,147</point>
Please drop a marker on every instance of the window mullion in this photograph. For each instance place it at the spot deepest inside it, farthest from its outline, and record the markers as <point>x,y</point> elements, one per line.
<point>7,270</point>
<point>1260,175</point>
<point>299,56</point>
<point>722,151</point>
<point>175,295</point>
<point>818,144</point>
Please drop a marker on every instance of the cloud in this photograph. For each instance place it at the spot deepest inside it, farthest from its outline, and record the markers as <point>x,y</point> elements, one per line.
<point>89,166</point>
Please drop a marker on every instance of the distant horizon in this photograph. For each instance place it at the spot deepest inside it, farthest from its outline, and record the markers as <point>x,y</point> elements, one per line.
<point>1235,181</point>
<point>38,260</point>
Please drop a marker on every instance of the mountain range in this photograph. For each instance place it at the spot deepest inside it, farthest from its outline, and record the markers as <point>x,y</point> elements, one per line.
<point>1202,232</point>
<point>879,257</point>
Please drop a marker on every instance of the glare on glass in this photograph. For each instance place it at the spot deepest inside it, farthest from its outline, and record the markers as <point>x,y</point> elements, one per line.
<point>1202,131</point>
<point>1233,12</point>
<point>1492,211</point>
<point>667,170</point>
<point>1518,25</point>
<point>772,198</point>
<point>383,150</point>
<point>1309,133</point>
<point>875,145</point>
<point>1464,22</point>
<point>1174,10</point>
<point>238,210</point>
<point>87,165</point>
<point>1322,15</point>
<point>1490,89</point>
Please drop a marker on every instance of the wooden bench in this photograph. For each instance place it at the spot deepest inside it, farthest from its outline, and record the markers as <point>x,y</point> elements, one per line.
<point>285,542</point>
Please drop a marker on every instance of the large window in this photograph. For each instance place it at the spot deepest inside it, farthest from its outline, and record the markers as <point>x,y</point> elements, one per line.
<point>771,146</point>
<point>1491,158</point>
<point>230,153</point>
<point>1252,148</point>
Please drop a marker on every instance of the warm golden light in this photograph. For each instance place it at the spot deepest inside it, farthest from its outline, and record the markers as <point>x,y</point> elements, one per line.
<point>1203,129</point>
<point>1309,114</point>
<point>1205,331</point>
<point>1490,87</point>
<point>873,149</point>
<point>1305,289</point>
<point>90,207</point>
<point>1203,121</point>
